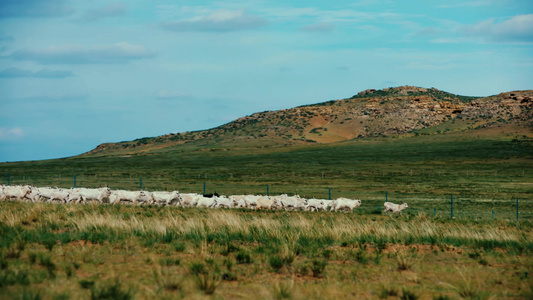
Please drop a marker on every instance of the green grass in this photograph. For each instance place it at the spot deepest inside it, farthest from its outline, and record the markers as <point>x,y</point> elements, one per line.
<point>415,168</point>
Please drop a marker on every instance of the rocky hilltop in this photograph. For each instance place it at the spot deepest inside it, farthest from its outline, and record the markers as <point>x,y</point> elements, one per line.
<point>370,113</point>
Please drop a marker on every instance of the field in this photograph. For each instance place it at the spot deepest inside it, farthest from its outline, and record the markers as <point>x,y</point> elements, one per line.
<point>472,167</point>
<point>52,251</point>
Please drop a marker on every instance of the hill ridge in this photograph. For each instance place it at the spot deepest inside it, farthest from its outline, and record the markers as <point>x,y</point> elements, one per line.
<point>370,113</point>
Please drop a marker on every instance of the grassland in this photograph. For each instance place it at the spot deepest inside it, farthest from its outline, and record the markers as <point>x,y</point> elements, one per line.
<point>483,171</point>
<point>51,251</point>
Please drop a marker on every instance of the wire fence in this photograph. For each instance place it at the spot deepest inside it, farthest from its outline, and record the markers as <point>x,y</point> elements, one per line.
<point>443,205</point>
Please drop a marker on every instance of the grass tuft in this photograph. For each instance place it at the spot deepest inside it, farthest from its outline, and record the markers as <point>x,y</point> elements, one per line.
<point>283,290</point>
<point>404,261</point>
<point>112,290</point>
<point>318,266</point>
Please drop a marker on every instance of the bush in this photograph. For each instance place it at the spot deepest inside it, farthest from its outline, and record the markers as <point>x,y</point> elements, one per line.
<point>361,256</point>
<point>197,269</point>
<point>276,262</point>
<point>46,261</point>
<point>208,282</point>
<point>404,262</point>
<point>31,295</point>
<point>86,284</point>
<point>408,295</point>
<point>179,247</point>
<point>3,262</point>
<point>32,256</point>
<point>10,277</point>
<point>110,291</point>
<point>283,290</point>
<point>388,291</point>
<point>441,297</point>
<point>167,281</point>
<point>318,266</point>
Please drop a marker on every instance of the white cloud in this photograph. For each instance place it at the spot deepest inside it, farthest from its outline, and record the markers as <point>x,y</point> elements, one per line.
<point>516,29</point>
<point>76,54</point>
<point>222,20</point>
<point>11,133</point>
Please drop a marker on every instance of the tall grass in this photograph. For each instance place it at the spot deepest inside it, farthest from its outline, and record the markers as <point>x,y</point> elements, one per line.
<point>187,246</point>
<point>279,231</point>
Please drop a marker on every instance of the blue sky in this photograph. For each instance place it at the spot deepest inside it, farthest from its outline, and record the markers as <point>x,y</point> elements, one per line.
<point>74,74</point>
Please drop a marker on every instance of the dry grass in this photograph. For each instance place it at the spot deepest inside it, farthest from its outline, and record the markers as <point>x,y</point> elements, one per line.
<point>151,251</point>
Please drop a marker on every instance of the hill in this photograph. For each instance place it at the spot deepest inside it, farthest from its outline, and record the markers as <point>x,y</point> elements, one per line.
<point>417,144</point>
<point>405,110</point>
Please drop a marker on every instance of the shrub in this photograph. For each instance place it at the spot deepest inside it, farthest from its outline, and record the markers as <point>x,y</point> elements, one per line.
<point>361,256</point>
<point>327,253</point>
<point>208,282</point>
<point>243,257</point>
<point>403,261</point>
<point>68,271</point>
<point>408,295</point>
<point>276,262</point>
<point>86,284</point>
<point>229,276</point>
<point>302,269</point>
<point>179,247</point>
<point>166,281</point>
<point>10,277</point>
<point>110,291</point>
<point>441,297</point>
<point>229,248</point>
<point>46,261</point>
<point>283,290</point>
<point>49,243</point>
<point>197,269</point>
<point>3,262</point>
<point>387,290</point>
<point>32,256</point>
<point>31,295</point>
<point>318,266</point>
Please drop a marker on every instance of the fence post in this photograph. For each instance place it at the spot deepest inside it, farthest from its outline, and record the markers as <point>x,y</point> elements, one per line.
<point>140,183</point>
<point>267,189</point>
<point>386,196</point>
<point>451,207</point>
<point>74,180</point>
<point>517,209</point>
<point>379,208</point>
<point>204,189</point>
<point>329,193</point>
<point>8,178</point>
<point>493,213</point>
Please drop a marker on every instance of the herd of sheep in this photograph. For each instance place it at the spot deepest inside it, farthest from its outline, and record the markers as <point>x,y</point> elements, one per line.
<point>175,198</point>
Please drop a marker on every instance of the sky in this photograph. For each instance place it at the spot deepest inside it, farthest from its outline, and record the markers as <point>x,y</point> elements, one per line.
<point>75,74</point>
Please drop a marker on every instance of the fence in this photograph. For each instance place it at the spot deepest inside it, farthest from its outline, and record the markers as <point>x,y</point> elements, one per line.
<point>450,206</point>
